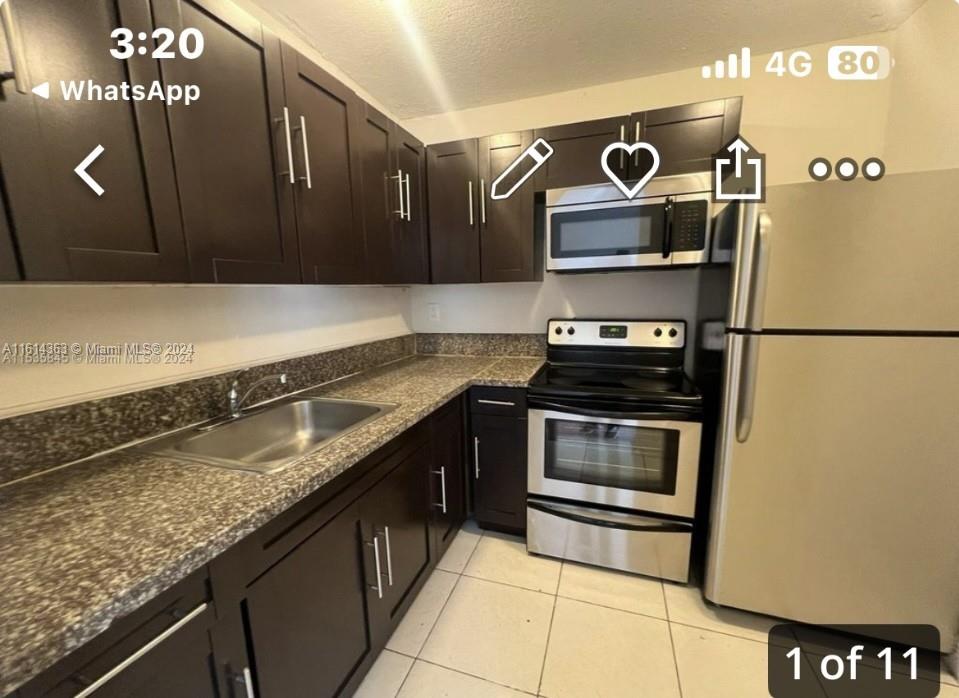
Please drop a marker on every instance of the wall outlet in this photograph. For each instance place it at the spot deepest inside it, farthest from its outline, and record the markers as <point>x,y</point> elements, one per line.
<point>433,312</point>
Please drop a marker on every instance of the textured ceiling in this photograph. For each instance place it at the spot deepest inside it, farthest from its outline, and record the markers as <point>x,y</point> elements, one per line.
<point>421,57</point>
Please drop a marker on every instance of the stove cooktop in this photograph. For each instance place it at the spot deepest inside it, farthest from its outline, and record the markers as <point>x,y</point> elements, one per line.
<point>641,385</point>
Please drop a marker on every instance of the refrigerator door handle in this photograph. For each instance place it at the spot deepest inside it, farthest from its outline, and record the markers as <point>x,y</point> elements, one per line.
<point>760,273</point>
<point>746,398</point>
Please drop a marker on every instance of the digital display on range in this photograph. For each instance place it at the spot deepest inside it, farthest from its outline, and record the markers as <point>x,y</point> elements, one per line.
<point>612,331</point>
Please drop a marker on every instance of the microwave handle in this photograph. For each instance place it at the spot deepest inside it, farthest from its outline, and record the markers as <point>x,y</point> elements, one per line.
<point>668,228</point>
<point>665,527</point>
<point>608,414</point>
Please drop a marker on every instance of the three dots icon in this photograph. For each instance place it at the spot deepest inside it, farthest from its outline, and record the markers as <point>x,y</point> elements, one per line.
<point>847,169</point>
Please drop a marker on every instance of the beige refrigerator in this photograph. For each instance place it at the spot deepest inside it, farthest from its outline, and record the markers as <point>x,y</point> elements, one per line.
<point>836,486</point>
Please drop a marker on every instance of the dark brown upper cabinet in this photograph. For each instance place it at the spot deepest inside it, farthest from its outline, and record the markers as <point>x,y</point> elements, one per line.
<point>233,148</point>
<point>375,138</point>
<point>578,149</point>
<point>410,239</point>
<point>327,163</point>
<point>688,136</point>
<point>8,260</point>
<point>453,182</point>
<point>64,231</point>
<point>507,246</point>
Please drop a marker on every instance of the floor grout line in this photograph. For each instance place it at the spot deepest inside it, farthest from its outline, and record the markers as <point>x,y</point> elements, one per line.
<point>475,676</point>
<point>549,631</point>
<point>507,584</point>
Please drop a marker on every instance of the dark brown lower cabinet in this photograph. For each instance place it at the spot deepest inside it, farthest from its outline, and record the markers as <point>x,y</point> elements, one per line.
<point>307,616</point>
<point>396,530</point>
<point>448,476</point>
<point>499,470</point>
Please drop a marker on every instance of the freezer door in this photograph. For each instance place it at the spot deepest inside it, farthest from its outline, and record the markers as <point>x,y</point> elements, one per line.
<point>838,501</point>
<point>865,255</point>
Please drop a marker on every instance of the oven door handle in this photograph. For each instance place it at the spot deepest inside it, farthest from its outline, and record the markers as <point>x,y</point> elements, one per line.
<point>666,527</point>
<point>610,414</point>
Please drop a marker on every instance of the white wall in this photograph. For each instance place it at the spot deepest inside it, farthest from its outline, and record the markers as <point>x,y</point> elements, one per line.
<point>923,125</point>
<point>231,327</point>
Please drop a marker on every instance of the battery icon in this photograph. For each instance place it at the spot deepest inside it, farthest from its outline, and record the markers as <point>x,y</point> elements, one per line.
<point>859,62</point>
<point>521,169</point>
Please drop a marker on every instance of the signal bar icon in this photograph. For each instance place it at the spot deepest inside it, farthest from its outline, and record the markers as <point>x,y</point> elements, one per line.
<point>733,67</point>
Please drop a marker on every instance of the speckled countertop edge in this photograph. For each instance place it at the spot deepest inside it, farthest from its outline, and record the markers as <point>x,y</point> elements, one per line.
<point>88,544</point>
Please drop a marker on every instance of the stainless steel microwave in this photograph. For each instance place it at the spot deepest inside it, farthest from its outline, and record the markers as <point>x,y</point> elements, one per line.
<point>595,227</point>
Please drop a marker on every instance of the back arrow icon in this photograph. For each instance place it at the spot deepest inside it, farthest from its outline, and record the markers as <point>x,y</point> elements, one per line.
<point>82,173</point>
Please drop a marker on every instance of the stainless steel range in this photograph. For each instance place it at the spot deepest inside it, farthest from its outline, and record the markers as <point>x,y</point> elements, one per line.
<point>614,436</point>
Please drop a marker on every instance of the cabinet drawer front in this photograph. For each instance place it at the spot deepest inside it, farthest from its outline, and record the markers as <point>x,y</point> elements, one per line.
<point>499,401</point>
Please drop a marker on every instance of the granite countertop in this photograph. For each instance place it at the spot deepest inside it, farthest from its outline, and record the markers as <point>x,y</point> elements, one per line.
<point>90,543</point>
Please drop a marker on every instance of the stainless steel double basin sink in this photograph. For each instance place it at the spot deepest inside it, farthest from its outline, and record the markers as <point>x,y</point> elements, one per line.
<point>270,437</point>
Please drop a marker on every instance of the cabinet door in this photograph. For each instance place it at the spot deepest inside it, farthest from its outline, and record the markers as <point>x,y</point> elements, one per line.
<point>453,181</point>
<point>396,523</point>
<point>308,617</point>
<point>8,260</point>
<point>448,491</point>
<point>66,232</point>
<point>688,136</point>
<point>328,218</point>
<point>233,159</point>
<point>499,471</point>
<point>412,246</point>
<point>507,230</point>
<point>380,193</point>
<point>577,151</point>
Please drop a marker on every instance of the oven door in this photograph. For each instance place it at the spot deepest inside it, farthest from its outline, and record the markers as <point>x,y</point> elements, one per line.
<point>607,235</point>
<point>643,462</point>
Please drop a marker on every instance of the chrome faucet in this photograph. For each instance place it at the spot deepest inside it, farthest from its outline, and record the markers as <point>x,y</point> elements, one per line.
<point>235,402</point>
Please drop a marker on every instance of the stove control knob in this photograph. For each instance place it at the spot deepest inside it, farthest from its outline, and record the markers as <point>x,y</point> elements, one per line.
<point>673,332</point>
<point>658,332</point>
<point>571,331</point>
<point>558,330</point>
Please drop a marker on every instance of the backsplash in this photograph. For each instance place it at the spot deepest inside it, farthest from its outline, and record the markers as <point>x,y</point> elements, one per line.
<point>481,344</point>
<point>35,442</point>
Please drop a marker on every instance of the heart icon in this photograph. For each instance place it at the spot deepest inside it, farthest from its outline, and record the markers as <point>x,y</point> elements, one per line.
<point>630,148</point>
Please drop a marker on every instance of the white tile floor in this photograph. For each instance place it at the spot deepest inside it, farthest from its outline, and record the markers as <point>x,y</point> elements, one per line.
<point>495,622</point>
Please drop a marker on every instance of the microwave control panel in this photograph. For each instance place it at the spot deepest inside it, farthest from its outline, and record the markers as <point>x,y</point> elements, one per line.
<point>689,225</point>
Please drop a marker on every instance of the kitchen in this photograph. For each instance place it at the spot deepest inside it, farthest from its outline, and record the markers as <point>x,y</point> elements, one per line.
<point>298,405</point>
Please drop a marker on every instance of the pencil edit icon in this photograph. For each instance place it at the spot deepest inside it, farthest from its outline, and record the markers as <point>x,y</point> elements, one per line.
<point>521,169</point>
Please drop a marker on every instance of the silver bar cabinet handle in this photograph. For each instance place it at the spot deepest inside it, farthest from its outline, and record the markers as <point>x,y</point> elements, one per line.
<point>504,403</point>
<point>483,201</point>
<point>476,455</point>
<point>306,154</point>
<point>96,685</point>
<point>636,140</point>
<point>18,58</point>
<point>622,139</point>
<point>469,191</point>
<point>399,188</point>
<point>442,473</point>
<point>379,570</point>
<point>285,120</point>
<point>409,201</point>
<point>247,679</point>
<point>389,556</point>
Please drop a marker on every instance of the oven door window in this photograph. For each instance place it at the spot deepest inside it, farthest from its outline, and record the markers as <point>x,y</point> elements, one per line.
<point>626,457</point>
<point>607,232</point>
